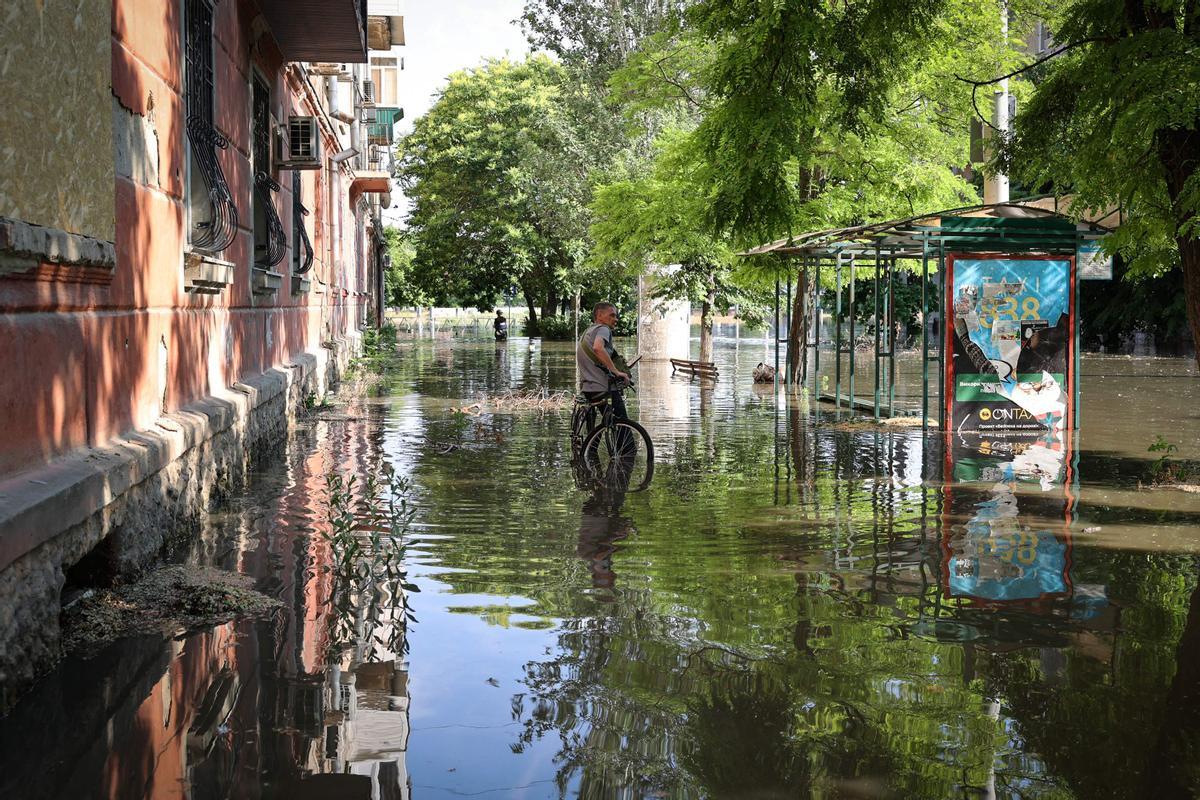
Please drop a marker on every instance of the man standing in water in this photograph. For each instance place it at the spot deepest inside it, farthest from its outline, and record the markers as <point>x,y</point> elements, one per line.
<point>599,361</point>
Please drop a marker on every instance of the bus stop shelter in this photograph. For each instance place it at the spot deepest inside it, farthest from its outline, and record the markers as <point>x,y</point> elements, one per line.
<point>1029,232</point>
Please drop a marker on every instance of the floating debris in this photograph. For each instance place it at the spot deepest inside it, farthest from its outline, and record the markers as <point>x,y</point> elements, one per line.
<point>884,422</point>
<point>518,400</point>
<point>166,601</point>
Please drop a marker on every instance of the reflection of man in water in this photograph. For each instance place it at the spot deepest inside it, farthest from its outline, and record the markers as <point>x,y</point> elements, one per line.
<point>600,528</point>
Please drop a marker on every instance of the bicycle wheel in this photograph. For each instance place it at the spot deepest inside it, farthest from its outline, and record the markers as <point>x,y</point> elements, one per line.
<point>620,456</point>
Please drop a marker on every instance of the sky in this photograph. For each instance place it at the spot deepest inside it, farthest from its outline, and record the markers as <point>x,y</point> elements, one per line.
<point>442,36</point>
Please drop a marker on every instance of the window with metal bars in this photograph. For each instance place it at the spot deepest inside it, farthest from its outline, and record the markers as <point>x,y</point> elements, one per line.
<point>270,240</point>
<point>302,249</point>
<point>212,215</point>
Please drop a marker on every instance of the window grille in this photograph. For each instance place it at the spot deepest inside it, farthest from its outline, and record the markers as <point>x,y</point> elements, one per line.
<point>214,219</point>
<point>270,240</point>
<point>302,249</point>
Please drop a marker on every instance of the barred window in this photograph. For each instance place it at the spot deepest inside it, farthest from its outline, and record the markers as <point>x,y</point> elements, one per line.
<point>212,215</point>
<point>302,249</point>
<point>270,241</point>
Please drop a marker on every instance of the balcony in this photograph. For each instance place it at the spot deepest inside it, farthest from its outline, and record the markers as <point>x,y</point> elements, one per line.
<point>382,131</point>
<point>319,30</point>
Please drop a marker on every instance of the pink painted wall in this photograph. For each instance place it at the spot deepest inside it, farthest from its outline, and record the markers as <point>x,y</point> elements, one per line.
<point>85,360</point>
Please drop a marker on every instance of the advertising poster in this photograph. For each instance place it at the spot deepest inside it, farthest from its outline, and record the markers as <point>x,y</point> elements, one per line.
<point>1009,329</point>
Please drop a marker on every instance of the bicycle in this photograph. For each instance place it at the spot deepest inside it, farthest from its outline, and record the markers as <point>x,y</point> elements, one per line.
<point>617,452</point>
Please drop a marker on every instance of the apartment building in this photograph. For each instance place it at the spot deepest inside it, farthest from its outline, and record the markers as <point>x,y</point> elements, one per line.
<point>189,246</point>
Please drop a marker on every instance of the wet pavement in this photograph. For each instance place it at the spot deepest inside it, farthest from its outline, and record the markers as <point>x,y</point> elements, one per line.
<point>796,607</point>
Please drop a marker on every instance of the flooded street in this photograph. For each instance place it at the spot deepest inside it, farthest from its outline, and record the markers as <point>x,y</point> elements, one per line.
<point>797,606</point>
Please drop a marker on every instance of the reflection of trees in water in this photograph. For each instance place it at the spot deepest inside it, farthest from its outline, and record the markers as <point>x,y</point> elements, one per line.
<point>612,699</point>
<point>752,737</point>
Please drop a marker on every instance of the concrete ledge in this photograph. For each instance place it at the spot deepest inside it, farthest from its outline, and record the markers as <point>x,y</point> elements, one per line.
<point>124,506</point>
<point>205,274</point>
<point>34,507</point>
<point>25,246</point>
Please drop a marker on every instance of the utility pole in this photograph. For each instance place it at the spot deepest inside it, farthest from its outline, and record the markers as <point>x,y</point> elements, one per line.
<point>995,187</point>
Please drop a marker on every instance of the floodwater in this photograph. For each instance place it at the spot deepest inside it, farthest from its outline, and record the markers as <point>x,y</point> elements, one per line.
<point>796,607</point>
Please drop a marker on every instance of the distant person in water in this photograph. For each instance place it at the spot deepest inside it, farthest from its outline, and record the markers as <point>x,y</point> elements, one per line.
<point>500,325</point>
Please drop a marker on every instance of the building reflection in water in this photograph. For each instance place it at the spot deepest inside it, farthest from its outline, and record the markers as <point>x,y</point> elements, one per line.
<point>246,709</point>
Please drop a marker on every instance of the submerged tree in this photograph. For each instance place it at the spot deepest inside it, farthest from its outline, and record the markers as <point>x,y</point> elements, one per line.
<point>498,171</point>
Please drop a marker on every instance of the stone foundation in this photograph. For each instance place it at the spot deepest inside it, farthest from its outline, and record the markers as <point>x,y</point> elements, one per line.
<point>126,505</point>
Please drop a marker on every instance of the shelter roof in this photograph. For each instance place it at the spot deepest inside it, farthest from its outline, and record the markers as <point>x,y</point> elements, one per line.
<point>1036,224</point>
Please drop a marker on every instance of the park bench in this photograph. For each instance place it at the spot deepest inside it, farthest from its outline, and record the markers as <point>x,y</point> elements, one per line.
<point>702,369</point>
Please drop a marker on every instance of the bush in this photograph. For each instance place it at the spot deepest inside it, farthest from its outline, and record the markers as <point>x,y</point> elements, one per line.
<point>562,328</point>
<point>379,341</point>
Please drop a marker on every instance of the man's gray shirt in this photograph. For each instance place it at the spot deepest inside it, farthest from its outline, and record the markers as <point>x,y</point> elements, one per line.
<point>593,376</point>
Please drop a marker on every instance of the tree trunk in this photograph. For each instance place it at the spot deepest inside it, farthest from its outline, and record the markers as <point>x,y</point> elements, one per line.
<point>551,307</point>
<point>706,320</point>
<point>531,328</point>
<point>1189,257</point>
<point>1179,152</point>
<point>797,346</point>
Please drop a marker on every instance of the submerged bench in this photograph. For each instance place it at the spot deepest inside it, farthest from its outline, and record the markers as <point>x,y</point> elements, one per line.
<point>703,369</point>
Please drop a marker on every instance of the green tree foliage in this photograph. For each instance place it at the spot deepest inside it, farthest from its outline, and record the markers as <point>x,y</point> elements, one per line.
<point>596,37</point>
<point>846,102</point>
<point>656,218</point>
<point>499,175</point>
<point>1115,121</point>
<point>400,286</point>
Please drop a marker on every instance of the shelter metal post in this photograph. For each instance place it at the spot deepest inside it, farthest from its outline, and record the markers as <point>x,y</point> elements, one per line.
<point>804,260</point>
<point>1075,353</point>
<point>837,327</point>
<point>852,342</point>
<point>924,335</point>
<point>877,332</point>
<point>775,335</point>
<point>943,334</point>
<point>787,326</point>
<point>891,334</point>
<point>816,326</point>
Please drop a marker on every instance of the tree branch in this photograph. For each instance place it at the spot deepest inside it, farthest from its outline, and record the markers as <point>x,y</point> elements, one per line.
<point>687,95</point>
<point>975,85</point>
<point>1032,64</point>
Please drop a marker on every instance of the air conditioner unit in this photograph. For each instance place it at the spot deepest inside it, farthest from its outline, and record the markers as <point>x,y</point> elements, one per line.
<point>304,144</point>
<point>368,91</point>
<point>369,115</point>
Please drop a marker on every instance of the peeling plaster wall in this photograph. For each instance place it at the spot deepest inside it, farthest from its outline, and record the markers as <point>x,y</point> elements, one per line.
<point>56,147</point>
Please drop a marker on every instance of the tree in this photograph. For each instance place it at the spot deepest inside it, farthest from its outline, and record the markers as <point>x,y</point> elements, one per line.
<point>498,171</point>
<point>1114,120</point>
<point>400,287</point>
<point>596,37</point>
<point>644,220</point>
<point>789,77</point>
